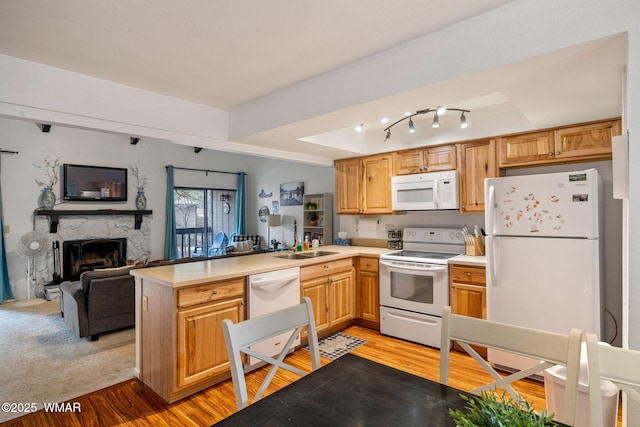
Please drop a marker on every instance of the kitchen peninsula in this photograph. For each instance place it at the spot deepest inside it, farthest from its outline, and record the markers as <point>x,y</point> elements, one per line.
<point>179,345</point>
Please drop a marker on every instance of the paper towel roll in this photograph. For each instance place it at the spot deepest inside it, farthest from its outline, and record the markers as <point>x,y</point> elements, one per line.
<point>368,227</point>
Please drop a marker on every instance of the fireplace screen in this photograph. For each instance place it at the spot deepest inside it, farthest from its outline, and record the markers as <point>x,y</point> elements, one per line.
<point>86,255</point>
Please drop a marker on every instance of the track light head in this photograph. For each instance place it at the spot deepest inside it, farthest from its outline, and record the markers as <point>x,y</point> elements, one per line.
<point>463,121</point>
<point>388,136</point>
<point>411,128</point>
<point>436,122</point>
<point>133,140</point>
<point>44,127</point>
<point>359,127</point>
<point>197,149</point>
<point>440,110</point>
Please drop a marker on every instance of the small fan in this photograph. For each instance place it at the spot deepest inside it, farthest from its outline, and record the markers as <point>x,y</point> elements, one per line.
<point>31,245</point>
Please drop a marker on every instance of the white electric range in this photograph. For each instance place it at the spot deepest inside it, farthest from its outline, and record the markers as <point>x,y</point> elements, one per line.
<point>414,284</point>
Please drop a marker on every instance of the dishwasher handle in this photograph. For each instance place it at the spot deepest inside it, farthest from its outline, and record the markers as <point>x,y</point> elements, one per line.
<point>273,284</point>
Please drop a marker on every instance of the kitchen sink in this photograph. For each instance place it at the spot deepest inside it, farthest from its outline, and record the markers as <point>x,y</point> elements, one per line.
<point>313,254</point>
<point>305,255</point>
<point>294,255</point>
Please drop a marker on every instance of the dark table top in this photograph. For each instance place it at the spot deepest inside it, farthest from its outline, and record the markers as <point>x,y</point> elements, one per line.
<point>352,391</point>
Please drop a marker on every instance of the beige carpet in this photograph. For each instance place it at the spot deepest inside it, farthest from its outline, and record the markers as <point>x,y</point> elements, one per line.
<point>42,362</point>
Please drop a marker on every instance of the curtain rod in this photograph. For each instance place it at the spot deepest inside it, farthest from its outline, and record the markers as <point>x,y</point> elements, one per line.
<point>8,152</point>
<point>204,170</point>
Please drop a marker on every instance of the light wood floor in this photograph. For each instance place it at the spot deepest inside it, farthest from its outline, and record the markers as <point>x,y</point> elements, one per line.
<point>132,404</point>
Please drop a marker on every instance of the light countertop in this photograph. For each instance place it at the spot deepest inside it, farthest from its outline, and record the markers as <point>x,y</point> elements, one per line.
<point>480,261</point>
<point>194,273</point>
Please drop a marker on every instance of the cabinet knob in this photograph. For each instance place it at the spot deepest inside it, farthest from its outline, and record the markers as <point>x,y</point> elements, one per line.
<point>557,153</point>
<point>550,154</point>
<point>215,292</point>
<point>468,274</point>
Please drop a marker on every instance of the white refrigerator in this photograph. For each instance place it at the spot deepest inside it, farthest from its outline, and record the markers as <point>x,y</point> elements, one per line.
<point>543,254</point>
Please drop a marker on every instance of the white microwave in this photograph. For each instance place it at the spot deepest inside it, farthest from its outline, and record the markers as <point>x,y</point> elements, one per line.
<point>425,191</point>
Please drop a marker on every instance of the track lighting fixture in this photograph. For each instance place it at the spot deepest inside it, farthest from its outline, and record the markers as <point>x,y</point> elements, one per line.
<point>436,122</point>
<point>440,110</point>
<point>463,121</point>
<point>359,127</point>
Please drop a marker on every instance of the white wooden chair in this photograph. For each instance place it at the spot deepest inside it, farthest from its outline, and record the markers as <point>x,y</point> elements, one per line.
<point>547,347</point>
<point>618,365</point>
<point>239,338</point>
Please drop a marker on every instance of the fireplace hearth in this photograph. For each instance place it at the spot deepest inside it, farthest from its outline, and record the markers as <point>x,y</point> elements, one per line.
<point>79,256</point>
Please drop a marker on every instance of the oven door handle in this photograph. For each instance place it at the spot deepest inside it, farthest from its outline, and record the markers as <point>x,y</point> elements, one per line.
<point>404,266</point>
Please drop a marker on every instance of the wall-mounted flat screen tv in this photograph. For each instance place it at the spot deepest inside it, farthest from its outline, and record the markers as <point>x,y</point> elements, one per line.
<point>94,183</point>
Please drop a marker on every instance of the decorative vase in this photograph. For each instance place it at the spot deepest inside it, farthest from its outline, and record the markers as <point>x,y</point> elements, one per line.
<point>141,201</point>
<point>48,198</point>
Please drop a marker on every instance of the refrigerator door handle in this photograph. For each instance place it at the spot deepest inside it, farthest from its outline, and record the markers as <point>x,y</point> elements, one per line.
<point>490,239</point>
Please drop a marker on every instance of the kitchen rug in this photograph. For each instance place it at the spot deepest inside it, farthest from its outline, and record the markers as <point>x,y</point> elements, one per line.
<point>337,345</point>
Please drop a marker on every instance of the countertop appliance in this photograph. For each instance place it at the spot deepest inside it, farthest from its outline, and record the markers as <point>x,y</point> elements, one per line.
<point>414,284</point>
<point>269,292</point>
<point>543,254</point>
<point>425,191</point>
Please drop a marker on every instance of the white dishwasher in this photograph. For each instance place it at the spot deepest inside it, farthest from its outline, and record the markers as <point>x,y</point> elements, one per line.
<point>268,292</point>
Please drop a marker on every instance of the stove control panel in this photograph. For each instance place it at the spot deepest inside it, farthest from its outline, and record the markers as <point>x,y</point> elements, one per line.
<point>433,235</point>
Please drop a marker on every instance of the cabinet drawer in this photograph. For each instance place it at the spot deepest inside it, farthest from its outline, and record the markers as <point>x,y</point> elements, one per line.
<point>210,292</point>
<point>324,269</point>
<point>468,274</point>
<point>368,264</point>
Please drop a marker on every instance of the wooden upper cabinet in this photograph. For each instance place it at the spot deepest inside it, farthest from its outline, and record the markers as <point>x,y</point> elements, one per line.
<point>376,184</point>
<point>442,158</point>
<point>589,141</point>
<point>348,186</point>
<point>586,141</point>
<point>523,149</point>
<point>477,162</point>
<point>432,159</point>
<point>363,185</point>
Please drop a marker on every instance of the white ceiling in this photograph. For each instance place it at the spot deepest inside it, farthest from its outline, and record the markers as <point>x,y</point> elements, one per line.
<point>226,54</point>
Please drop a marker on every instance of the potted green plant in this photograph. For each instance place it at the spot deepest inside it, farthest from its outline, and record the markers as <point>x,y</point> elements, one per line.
<point>275,243</point>
<point>491,409</point>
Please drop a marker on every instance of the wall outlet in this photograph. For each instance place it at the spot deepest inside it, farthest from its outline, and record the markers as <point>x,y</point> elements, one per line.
<point>145,303</point>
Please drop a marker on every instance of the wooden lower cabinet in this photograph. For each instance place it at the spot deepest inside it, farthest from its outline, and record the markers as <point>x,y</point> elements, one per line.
<point>368,292</point>
<point>181,343</point>
<point>332,294</point>
<point>469,293</point>
<point>201,348</point>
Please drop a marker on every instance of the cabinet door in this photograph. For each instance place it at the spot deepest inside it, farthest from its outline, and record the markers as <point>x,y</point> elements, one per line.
<point>526,149</point>
<point>441,158</point>
<point>369,296</point>
<point>201,348</point>
<point>586,141</point>
<point>477,162</point>
<point>408,162</point>
<point>368,299</point>
<point>469,300</point>
<point>376,184</point>
<point>342,298</point>
<point>318,291</point>
<point>348,186</point>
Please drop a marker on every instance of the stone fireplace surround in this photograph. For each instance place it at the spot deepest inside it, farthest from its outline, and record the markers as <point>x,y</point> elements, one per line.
<point>93,227</point>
